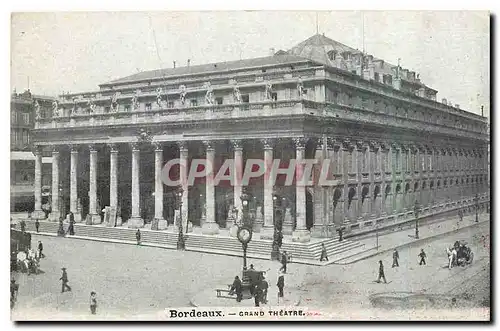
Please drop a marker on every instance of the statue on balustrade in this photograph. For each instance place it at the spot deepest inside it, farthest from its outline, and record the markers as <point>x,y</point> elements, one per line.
<point>37,109</point>
<point>55,109</point>
<point>269,91</point>
<point>135,100</point>
<point>159,98</point>
<point>74,110</point>
<point>209,96</point>
<point>300,88</point>
<point>91,106</point>
<point>114,102</point>
<point>182,94</point>
<point>236,94</point>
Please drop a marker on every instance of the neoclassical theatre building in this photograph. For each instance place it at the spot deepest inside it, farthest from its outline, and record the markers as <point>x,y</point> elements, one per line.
<point>389,141</point>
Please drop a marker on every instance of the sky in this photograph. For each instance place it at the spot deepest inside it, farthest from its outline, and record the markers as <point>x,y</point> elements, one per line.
<point>77,51</point>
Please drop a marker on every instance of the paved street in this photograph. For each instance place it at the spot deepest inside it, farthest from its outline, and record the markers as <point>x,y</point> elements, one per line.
<point>130,280</point>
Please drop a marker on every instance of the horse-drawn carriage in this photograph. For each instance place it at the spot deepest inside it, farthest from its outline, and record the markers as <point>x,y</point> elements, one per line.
<point>22,257</point>
<point>460,254</point>
<point>464,253</point>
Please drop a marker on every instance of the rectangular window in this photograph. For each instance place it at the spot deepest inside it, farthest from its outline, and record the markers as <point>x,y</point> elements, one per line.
<point>218,100</point>
<point>13,117</point>
<point>26,118</point>
<point>170,104</point>
<point>106,109</point>
<point>354,72</point>
<point>148,107</point>
<point>245,98</point>
<point>127,108</point>
<point>377,77</point>
<point>194,102</point>
<point>274,96</point>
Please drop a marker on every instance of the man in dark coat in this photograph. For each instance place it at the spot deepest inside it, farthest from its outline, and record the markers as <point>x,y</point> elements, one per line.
<point>265,286</point>
<point>60,231</point>
<point>138,237</point>
<point>324,255</point>
<point>14,289</point>
<point>40,249</point>
<point>395,258</point>
<point>257,295</point>
<point>381,272</point>
<point>284,261</point>
<point>64,279</point>
<point>422,257</point>
<point>71,228</point>
<point>93,303</point>
<point>37,225</point>
<point>281,285</point>
<point>23,225</point>
<point>237,288</point>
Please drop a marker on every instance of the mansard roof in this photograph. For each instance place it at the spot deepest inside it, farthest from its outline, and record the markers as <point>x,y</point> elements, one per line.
<point>212,67</point>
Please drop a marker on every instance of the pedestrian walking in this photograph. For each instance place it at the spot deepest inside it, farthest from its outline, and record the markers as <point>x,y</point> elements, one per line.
<point>93,303</point>
<point>40,249</point>
<point>257,295</point>
<point>37,225</point>
<point>265,287</point>
<point>14,289</point>
<point>422,257</point>
<point>23,225</point>
<point>138,237</point>
<point>381,273</point>
<point>281,285</point>
<point>395,258</point>
<point>324,254</point>
<point>64,279</point>
<point>284,262</point>
<point>237,288</point>
<point>71,228</point>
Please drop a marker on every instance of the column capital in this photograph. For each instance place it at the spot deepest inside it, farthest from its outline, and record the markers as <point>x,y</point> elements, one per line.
<point>347,144</point>
<point>319,142</point>
<point>333,143</point>
<point>268,143</point>
<point>36,150</point>
<point>144,136</point>
<point>237,144</point>
<point>299,142</point>
<point>183,145</point>
<point>384,146</point>
<point>136,146</point>
<point>396,146</point>
<point>374,145</point>
<point>92,148</point>
<point>361,145</point>
<point>158,145</point>
<point>54,149</point>
<point>209,144</point>
<point>113,148</point>
<point>73,148</point>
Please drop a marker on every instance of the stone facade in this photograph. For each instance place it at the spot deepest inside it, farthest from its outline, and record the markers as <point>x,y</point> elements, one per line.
<point>388,148</point>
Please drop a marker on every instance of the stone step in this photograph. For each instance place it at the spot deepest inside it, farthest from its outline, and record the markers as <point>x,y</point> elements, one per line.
<point>218,243</point>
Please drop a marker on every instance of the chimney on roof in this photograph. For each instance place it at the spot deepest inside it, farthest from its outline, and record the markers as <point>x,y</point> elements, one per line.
<point>457,106</point>
<point>174,64</point>
<point>189,62</point>
<point>444,101</point>
<point>482,111</point>
<point>271,51</point>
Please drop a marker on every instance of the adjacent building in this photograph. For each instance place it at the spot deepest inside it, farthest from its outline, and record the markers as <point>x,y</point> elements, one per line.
<point>22,160</point>
<point>391,145</point>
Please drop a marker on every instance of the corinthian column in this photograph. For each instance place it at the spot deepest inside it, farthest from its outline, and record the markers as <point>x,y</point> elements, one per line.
<point>38,212</point>
<point>210,226</point>
<point>162,223</point>
<point>113,181</point>
<point>135,220</point>
<point>301,234</point>
<point>55,213</point>
<point>94,217</point>
<point>238,174</point>
<point>268,229</point>
<point>183,173</point>
<point>73,185</point>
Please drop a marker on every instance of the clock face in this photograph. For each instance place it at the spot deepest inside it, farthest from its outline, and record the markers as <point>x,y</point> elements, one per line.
<point>244,235</point>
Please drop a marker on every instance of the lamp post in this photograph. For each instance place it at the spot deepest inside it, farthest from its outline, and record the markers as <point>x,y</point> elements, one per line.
<point>181,244</point>
<point>476,200</point>
<point>277,236</point>
<point>416,211</point>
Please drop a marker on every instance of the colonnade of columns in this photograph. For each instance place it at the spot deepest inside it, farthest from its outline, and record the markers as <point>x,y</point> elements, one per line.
<point>135,221</point>
<point>364,171</point>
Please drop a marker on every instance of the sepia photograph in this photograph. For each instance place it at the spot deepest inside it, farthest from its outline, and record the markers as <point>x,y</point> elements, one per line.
<point>250,166</point>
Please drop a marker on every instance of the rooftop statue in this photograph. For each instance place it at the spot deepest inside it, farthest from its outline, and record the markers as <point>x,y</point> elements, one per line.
<point>182,94</point>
